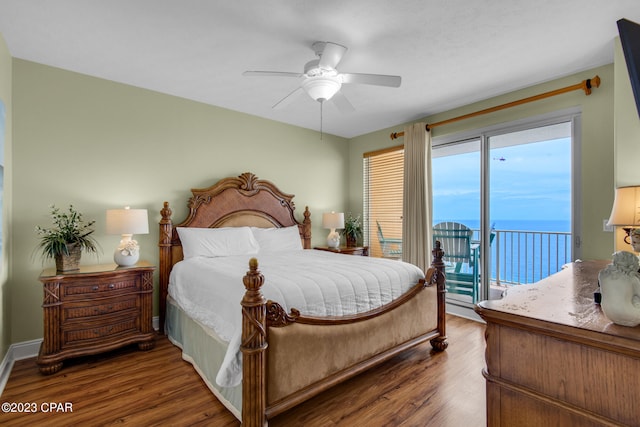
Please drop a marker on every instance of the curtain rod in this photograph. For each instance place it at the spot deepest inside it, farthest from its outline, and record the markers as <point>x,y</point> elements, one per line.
<point>585,85</point>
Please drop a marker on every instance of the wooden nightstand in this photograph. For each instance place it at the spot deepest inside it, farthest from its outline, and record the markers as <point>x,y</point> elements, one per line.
<point>354,250</point>
<point>95,309</point>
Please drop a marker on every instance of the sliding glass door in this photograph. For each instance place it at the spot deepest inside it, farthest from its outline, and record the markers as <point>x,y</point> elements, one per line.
<point>457,212</point>
<point>530,203</point>
<point>502,206</point>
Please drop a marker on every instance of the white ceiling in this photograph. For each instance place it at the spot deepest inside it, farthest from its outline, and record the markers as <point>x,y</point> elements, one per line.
<point>448,52</point>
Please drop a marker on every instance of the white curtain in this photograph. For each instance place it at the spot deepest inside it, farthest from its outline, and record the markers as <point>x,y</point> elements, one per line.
<point>417,211</point>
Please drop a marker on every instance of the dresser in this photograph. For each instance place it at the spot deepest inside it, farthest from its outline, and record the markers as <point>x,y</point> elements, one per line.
<point>554,359</point>
<point>95,309</point>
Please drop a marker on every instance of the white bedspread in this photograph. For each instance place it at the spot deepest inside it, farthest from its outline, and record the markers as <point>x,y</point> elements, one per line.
<point>315,282</point>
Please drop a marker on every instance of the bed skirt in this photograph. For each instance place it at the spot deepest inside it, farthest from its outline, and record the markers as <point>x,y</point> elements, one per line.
<point>204,350</point>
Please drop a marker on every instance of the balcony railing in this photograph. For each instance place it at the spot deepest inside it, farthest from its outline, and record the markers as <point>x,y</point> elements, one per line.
<point>520,256</point>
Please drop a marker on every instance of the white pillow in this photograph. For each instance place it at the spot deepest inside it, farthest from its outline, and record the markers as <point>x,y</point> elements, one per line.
<point>278,239</point>
<point>217,242</point>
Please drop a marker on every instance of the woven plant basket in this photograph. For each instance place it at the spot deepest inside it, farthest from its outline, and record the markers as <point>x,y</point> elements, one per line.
<point>69,262</point>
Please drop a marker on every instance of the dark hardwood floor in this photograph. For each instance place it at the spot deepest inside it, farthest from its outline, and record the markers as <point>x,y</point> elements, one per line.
<point>156,387</point>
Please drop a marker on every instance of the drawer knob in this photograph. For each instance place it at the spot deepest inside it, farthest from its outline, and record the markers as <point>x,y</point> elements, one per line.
<point>99,332</point>
<point>101,310</point>
<point>95,288</point>
<point>111,286</point>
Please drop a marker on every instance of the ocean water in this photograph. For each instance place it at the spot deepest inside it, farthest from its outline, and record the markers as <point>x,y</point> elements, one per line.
<point>518,224</point>
<point>526,251</point>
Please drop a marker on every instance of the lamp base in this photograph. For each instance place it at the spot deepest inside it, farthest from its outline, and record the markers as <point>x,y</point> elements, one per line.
<point>333,239</point>
<point>124,260</point>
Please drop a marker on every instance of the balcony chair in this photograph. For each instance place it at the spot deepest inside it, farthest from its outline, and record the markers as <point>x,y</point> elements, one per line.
<point>391,248</point>
<point>460,257</point>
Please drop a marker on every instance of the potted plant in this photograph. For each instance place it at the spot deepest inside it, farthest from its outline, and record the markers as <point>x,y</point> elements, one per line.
<point>66,240</point>
<point>352,230</point>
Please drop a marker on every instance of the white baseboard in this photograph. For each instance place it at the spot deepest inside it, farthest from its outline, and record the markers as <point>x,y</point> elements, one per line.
<point>5,369</point>
<point>26,350</point>
<point>18,351</point>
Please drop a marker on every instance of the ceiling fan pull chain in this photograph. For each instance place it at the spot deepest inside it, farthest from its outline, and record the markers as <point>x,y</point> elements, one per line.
<point>321,103</point>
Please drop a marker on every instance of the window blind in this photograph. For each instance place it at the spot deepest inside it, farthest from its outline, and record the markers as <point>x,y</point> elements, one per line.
<point>383,172</point>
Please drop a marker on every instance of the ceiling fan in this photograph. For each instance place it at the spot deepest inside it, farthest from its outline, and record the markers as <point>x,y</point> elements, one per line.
<point>322,82</point>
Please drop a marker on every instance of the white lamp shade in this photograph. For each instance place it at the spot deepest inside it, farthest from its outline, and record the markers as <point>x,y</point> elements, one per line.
<point>626,207</point>
<point>333,220</point>
<point>127,221</point>
<point>322,87</point>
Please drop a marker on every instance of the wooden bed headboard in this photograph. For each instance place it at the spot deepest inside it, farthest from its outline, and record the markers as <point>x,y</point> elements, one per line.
<point>231,202</point>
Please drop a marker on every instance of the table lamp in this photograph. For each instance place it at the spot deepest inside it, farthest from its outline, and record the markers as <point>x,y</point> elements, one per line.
<point>626,214</point>
<point>127,222</point>
<point>332,221</point>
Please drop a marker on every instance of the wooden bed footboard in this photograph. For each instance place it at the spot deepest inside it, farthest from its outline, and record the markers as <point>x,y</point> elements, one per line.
<point>259,314</point>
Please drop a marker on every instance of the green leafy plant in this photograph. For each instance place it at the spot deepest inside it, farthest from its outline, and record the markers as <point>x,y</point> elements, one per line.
<point>69,230</point>
<point>352,228</point>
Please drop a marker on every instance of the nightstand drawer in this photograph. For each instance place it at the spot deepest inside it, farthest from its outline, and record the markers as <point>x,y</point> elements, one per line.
<point>84,309</point>
<point>78,334</point>
<point>93,289</point>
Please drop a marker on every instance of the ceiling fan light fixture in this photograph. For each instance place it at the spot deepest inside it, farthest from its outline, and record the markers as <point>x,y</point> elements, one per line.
<point>321,88</point>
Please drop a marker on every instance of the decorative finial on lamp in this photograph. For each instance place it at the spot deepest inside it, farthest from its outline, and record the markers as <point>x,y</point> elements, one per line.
<point>332,221</point>
<point>626,214</point>
<point>127,222</point>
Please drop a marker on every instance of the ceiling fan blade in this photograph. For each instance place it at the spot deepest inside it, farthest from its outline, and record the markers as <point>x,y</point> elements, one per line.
<point>287,100</point>
<point>371,79</point>
<point>271,74</point>
<point>330,55</point>
<point>342,103</point>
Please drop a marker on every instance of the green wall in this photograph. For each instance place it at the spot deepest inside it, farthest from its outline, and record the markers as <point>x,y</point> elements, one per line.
<point>597,155</point>
<point>98,145</point>
<point>5,98</point>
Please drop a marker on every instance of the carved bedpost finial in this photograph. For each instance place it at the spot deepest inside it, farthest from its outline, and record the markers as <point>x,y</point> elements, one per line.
<point>253,265</point>
<point>438,253</point>
<point>440,343</point>
<point>164,243</point>
<point>253,347</point>
<point>166,212</point>
<point>165,226</point>
<point>307,228</point>
<point>253,280</point>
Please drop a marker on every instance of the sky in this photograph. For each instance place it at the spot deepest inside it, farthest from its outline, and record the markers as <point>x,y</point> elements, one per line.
<point>527,182</point>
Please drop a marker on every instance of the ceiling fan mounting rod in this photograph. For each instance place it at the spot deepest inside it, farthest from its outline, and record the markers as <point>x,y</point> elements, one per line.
<point>313,69</point>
